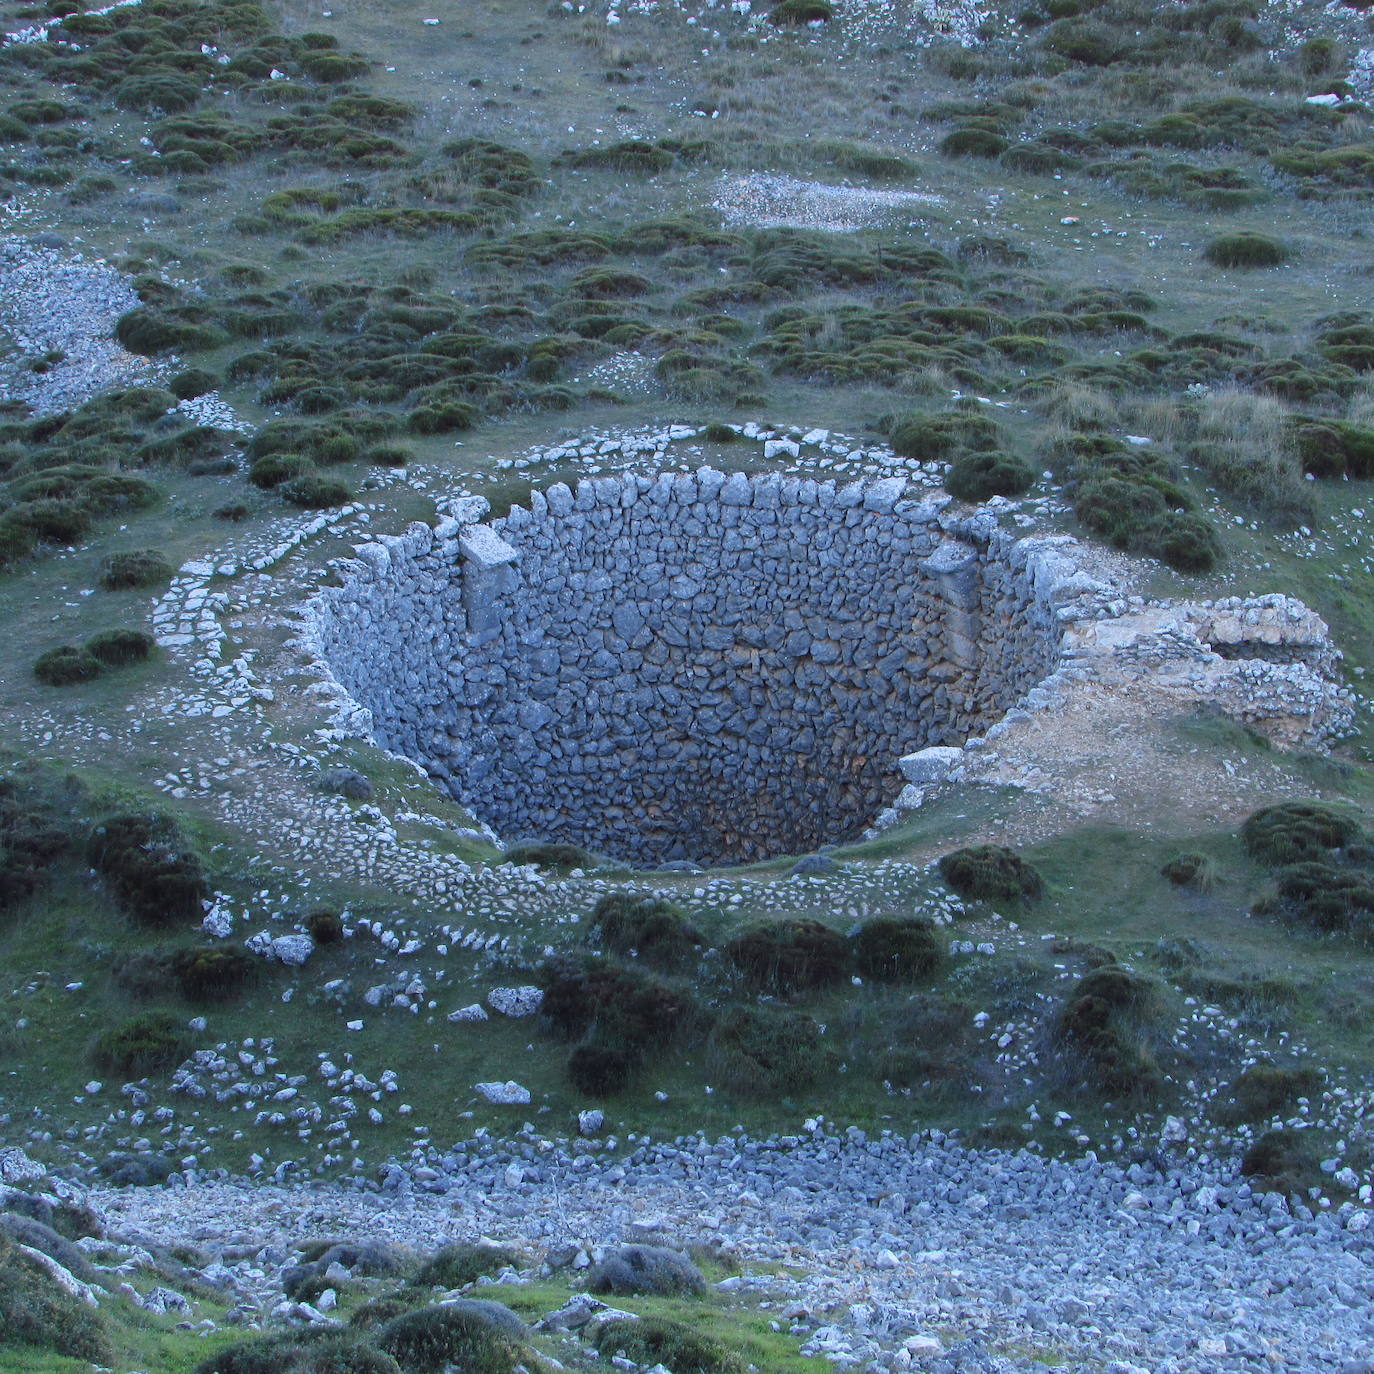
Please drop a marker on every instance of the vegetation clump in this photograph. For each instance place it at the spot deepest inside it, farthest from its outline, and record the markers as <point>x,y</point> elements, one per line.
<point>150,867</point>
<point>36,1313</point>
<point>646,1269</point>
<point>991,873</point>
<point>673,1344</point>
<point>791,956</point>
<point>1296,832</point>
<point>1245,250</point>
<point>462,1263</point>
<point>653,929</point>
<point>1106,1029</point>
<point>138,569</point>
<point>143,1045</point>
<point>889,949</point>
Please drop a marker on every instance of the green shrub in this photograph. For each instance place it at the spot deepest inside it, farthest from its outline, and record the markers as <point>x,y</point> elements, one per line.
<point>980,476</point>
<point>765,1052</point>
<point>635,156</point>
<point>613,1006</point>
<point>454,1334</point>
<point>1330,899</point>
<point>312,491</point>
<point>1282,1159</point>
<point>937,438</point>
<point>36,1313</point>
<point>1263,1091</point>
<point>213,973</point>
<point>889,949</point>
<point>462,1263</point>
<point>116,648</point>
<point>973,142</point>
<point>646,1269</point>
<point>991,873</point>
<point>548,854</point>
<point>655,929</point>
<point>1296,832</point>
<point>148,864</point>
<point>796,955</point>
<point>600,1070</point>
<point>1245,250</point>
<point>324,927</point>
<point>1191,870</point>
<point>150,332</point>
<point>193,382</point>
<point>674,1345</point>
<point>309,1350</point>
<point>799,13</point>
<point>138,568</point>
<point>279,468</point>
<point>63,666</point>
<point>161,91</point>
<point>1106,1027</point>
<point>146,1044</point>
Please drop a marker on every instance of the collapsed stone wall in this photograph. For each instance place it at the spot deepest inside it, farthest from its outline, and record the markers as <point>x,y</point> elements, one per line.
<point>692,666</point>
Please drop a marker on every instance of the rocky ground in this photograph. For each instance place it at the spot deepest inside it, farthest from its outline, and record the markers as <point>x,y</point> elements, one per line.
<point>882,1254</point>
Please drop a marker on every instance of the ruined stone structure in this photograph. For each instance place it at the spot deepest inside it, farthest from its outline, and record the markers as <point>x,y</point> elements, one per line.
<point>688,667</point>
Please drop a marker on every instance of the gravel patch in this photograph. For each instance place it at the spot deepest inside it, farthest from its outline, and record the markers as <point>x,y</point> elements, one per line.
<point>769,200</point>
<point>58,311</point>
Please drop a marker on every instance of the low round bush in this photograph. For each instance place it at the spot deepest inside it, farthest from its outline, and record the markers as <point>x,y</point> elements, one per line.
<point>135,569</point>
<point>150,867</point>
<point>66,665</point>
<point>214,973</point>
<point>1245,250</point>
<point>973,143</point>
<point>1263,1091</point>
<point>600,1070</point>
<point>453,1334</point>
<point>646,1269</point>
<point>116,648</point>
<point>980,476</point>
<point>674,1345</point>
<point>991,873</point>
<point>1106,1027</point>
<point>313,492</point>
<point>1281,1158</point>
<point>324,927</point>
<point>1191,870</point>
<point>37,1314</point>
<point>622,1008</point>
<point>768,1052</point>
<point>276,468</point>
<point>308,1350</point>
<point>798,13</point>
<point>1295,832</point>
<point>654,929</point>
<point>790,956</point>
<point>146,1044</point>
<point>193,382</point>
<point>548,854</point>
<point>892,950</point>
<point>462,1263</point>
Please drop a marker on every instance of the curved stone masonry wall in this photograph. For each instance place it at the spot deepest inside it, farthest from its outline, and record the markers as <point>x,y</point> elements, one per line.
<point>690,666</point>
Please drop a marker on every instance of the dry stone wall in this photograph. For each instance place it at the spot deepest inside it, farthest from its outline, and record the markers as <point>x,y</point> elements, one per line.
<point>688,667</point>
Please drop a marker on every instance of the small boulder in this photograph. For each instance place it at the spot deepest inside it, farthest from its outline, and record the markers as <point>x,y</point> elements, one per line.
<point>507,1094</point>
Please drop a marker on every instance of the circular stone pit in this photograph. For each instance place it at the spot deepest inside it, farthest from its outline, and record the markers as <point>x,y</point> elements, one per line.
<point>687,667</point>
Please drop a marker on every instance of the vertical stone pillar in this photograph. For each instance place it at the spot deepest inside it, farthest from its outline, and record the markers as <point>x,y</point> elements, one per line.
<point>955,580</point>
<point>489,578</point>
